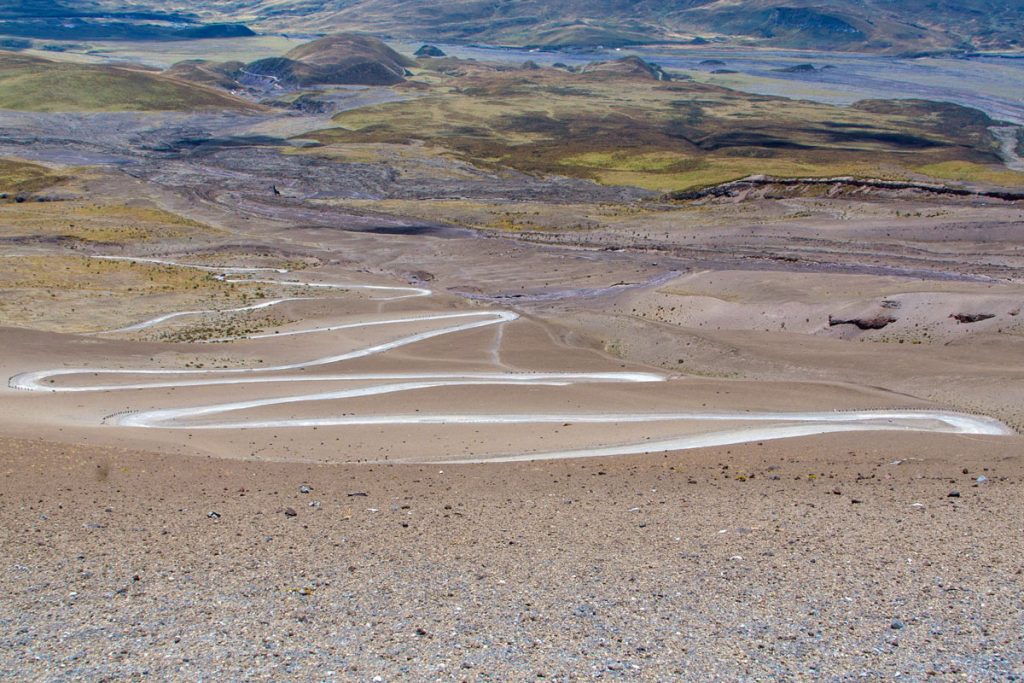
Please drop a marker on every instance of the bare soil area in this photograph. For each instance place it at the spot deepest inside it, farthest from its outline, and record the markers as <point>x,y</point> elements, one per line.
<point>827,557</point>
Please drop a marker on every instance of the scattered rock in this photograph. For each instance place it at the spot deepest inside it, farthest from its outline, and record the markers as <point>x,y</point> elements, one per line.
<point>305,488</point>
<point>953,494</point>
<point>357,494</point>
<point>213,514</point>
<point>897,625</point>
<point>982,479</point>
<point>584,611</point>
<point>310,104</point>
<point>290,512</point>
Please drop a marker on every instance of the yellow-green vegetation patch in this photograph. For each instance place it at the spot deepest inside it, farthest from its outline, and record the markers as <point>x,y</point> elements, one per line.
<point>349,154</point>
<point>32,84</point>
<point>97,223</point>
<point>21,176</point>
<point>644,162</point>
<point>656,135</point>
<point>75,293</point>
<point>81,273</point>
<point>665,171</point>
<point>714,170</point>
<point>968,172</point>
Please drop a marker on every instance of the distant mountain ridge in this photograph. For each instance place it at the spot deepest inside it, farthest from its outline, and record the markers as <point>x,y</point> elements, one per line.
<point>85,20</point>
<point>877,25</point>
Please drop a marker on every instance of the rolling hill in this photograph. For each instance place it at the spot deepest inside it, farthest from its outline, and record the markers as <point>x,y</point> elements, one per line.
<point>342,59</point>
<point>33,84</point>
<point>339,59</point>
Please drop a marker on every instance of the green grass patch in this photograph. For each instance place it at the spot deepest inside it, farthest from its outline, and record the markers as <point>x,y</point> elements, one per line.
<point>968,172</point>
<point>622,130</point>
<point>21,176</point>
<point>32,84</point>
<point>97,223</point>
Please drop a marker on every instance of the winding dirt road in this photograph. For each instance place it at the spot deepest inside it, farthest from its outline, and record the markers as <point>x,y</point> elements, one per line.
<point>226,415</point>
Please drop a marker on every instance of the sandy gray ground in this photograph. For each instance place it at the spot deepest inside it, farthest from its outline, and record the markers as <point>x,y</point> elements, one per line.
<point>814,559</point>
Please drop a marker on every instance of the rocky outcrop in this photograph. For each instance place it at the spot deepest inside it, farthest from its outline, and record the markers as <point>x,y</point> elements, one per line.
<point>429,51</point>
<point>311,104</point>
<point>873,323</point>
<point>628,66</point>
<point>797,69</point>
<point>968,318</point>
<point>737,187</point>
